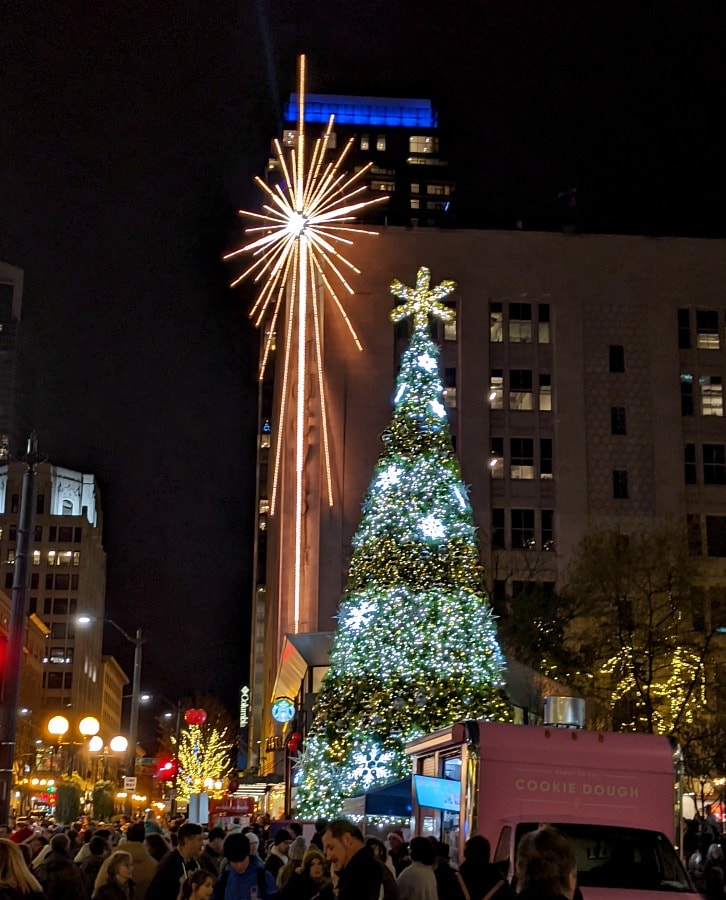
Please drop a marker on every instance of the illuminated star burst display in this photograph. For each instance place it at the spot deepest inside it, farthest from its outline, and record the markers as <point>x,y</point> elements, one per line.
<point>298,251</point>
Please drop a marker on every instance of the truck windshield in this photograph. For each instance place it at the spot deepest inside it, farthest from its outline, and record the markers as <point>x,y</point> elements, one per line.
<point>625,858</point>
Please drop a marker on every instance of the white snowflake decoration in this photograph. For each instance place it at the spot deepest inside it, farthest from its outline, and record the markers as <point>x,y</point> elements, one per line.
<point>388,477</point>
<point>427,362</point>
<point>438,409</point>
<point>360,615</point>
<point>433,528</point>
<point>371,764</point>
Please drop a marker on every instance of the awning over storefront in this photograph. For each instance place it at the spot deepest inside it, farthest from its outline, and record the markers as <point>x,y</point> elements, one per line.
<point>391,800</point>
<point>300,652</point>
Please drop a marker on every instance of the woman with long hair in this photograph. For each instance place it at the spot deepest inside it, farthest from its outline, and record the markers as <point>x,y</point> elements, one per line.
<point>16,880</point>
<point>113,881</point>
<point>199,886</point>
<point>307,882</point>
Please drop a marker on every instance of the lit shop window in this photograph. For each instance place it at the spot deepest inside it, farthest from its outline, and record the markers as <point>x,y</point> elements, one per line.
<point>711,395</point>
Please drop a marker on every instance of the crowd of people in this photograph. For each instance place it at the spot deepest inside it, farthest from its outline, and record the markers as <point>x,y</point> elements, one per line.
<point>149,860</point>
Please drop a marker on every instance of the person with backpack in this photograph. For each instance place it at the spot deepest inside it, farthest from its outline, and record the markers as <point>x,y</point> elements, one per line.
<point>245,878</point>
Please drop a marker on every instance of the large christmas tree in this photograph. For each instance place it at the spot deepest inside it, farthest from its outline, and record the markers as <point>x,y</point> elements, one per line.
<point>416,646</point>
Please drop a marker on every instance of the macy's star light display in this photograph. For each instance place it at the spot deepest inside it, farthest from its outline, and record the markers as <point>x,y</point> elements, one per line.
<point>416,645</point>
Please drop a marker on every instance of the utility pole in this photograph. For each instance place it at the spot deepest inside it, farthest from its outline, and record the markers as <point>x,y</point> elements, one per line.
<point>16,629</point>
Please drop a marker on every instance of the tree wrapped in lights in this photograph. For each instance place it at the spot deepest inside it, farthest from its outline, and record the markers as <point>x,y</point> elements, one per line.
<point>416,646</point>
<point>204,754</point>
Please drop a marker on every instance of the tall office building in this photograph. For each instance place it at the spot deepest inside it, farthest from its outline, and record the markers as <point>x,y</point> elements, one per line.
<point>16,381</point>
<point>68,578</point>
<point>584,384</point>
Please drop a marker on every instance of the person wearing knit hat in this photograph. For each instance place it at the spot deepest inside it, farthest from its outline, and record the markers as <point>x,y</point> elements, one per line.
<point>277,857</point>
<point>296,854</point>
<point>254,843</point>
<point>398,850</point>
<point>307,880</point>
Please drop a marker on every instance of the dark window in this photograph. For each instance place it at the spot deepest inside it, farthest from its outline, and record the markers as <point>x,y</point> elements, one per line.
<point>40,504</point>
<point>686,395</point>
<point>58,631</point>
<point>74,582</point>
<point>62,582</point>
<point>499,597</point>
<point>689,469</point>
<point>450,377</point>
<point>684,329</point>
<point>32,605</point>
<point>714,464</point>
<point>545,458</point>
<point>48,582</point>
<point>498,528</point>
<point>54,681</point>
<point>47,606</point>
<point>8,580</point>
<point>693,531</point>
<point>496,458</point>
<point>72,605</point>
<point>617,420</point>
<point>77,535</point>
<point>716,535</point>
<point>65,533</point>
<point>52,533</point>
<point>38,533</point>
<point>14,503</point>
<point>523,529</point>
<point>617,358</point>
<point>521,464</point>
<point>520,389</point>
<point>67,680</point>
<point>548,529</point>
<point>13,533</point>
<point>620,484</point>
<point>60,606</point>
<point>34,581</point>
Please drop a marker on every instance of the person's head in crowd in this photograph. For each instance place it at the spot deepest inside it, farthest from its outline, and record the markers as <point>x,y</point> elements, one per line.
<point>60,844</point>
<point>546,864</point>
<point>190,840</point>
<point>422,851</point>
<point>156,845</point>
<point>215,839</point>
<point>199,886</point>
<point>283,839</point>
<point>477,850</point>
<point>313,864</point>
<point>237,851</point>
<point>378,848</point>
<point>14,872</point>
<point>135,833</point>
<point>254,843</point>
<point>97,846</point>
<point>341,841</point>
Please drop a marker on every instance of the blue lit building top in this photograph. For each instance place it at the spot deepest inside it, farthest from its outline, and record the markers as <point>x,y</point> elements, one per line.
<point>383,111</point>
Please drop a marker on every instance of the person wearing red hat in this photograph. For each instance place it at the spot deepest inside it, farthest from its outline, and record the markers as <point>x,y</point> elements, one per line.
<point>21,834</point>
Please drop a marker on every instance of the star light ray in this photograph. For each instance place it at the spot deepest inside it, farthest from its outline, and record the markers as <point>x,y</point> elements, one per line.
<point>297,244</point>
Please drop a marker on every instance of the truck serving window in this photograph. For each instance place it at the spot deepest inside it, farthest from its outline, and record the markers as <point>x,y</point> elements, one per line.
<point>625,858</point>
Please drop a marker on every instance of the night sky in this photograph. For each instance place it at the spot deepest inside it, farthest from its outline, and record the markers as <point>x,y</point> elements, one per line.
<point>130,133</point>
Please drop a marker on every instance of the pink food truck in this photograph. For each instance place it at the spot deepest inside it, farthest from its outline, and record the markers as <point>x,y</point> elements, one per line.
<point>616,796</point>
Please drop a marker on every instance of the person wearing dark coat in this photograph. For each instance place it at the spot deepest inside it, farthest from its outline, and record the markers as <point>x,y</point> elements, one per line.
<point>59,876</point>
<point>546,868</point>
<point>360,875</point>
<point>91,865</point>
<point>17,882</point>
<point>448,882</point>
<point>113,881</point>
<point>307,883</point>
<point>480,875</point>
<point>178,864</point>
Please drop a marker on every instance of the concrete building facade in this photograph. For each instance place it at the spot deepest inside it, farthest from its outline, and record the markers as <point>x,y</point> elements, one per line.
<point>584,383</point>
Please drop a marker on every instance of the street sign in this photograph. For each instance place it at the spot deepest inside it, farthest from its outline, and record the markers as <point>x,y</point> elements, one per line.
<point>147,761</point>
<point>129,783</point>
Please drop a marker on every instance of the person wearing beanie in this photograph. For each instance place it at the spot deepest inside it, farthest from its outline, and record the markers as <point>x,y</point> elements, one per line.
<point>245,875</point>
<point>277,857</point>
<point>254,843</point>
<point>306,881</point>
<point>296,855</point>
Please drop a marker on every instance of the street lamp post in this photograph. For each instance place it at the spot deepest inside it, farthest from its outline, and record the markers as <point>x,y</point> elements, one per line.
<point>177,736</point>
<point>137,640</point>
<point>16,629</point>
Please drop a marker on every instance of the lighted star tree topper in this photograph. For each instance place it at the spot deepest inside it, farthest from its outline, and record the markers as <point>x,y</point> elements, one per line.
<point>416,644</point>
<point>298,250</point>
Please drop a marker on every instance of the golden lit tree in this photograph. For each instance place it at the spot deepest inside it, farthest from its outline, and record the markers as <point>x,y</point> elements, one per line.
<point>204,754</point>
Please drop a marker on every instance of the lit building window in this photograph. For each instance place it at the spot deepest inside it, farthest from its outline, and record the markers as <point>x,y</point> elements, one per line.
<point>521,464</point>
<point>381,142</point>
<point>415,187</point>
<point>383,185</point>
<point>496,323</point>
<point>450,397</point>
<point>520,389</point>
<point>10,557</point>
<point>711,395</point>
<point>289,137</point>
<point>450,330</point>
<point>496,458</point>
<point>423,143</point>
<point>520,323</point>
<point>438,190</point>
<point>36,557</point>
<point>415,203</point>
<point>365,142</point>
<point>496,389</point>
<point>437,204</point>
<point>51,557</point>
<point>707,337</point>
<point>545,393</point>
<point>543,323</point>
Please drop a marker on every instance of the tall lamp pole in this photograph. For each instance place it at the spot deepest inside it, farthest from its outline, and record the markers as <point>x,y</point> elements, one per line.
<point>16,629</point>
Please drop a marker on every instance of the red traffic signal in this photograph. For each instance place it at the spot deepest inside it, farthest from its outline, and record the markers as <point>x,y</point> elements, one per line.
<point>167,769</point>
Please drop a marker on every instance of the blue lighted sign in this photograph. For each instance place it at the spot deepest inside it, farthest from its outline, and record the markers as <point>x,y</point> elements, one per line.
<point>364,111</point>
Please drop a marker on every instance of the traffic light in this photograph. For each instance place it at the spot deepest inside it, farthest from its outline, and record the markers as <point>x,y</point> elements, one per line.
<point>167,769</point>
